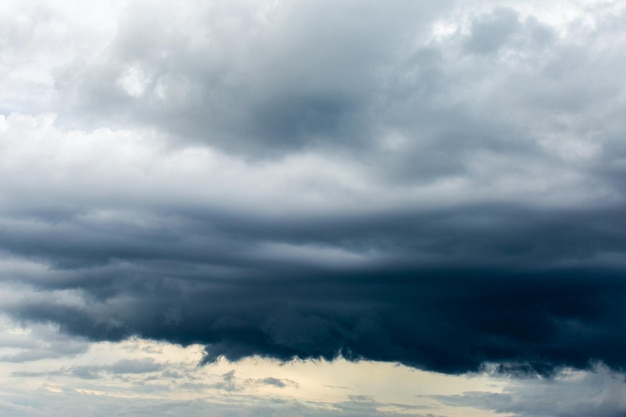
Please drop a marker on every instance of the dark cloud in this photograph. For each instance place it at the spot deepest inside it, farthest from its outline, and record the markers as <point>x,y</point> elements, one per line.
<point>413,183</point>
<point>449,291</point>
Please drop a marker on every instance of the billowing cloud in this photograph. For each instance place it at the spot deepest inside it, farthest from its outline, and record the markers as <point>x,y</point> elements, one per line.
<point>435,185</point>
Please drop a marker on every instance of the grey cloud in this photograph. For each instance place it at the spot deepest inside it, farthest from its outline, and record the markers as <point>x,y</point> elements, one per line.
<point>278,383</point>
<point>129,366</point>
<point>230,383</point>
<point>481,220</point>
<point>43,403</point>
<point>41,342</point>
<point>598,393</point>
<point>418,111</point>
<point>120,368</point>
<point>491,32</point>
<point>306,76</point>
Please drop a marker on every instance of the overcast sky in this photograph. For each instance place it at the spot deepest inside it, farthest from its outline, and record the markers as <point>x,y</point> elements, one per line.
<point>312,208</point>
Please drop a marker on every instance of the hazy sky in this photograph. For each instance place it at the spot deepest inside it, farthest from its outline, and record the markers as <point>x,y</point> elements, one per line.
<point>312,208</point>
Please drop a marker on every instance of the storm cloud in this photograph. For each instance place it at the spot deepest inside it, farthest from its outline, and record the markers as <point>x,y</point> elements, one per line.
<point>442,291</point>
<point>435,185</point>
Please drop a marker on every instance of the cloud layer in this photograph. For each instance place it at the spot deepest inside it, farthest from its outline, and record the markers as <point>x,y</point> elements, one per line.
<point>437,185</point>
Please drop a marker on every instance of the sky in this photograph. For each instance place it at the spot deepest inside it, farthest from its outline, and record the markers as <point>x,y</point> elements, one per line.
<point>284,208</point>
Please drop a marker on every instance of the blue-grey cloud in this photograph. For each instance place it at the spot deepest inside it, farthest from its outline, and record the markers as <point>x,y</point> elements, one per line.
<point>422,183</point>
<point>599,393</point>
<point>119,368</point>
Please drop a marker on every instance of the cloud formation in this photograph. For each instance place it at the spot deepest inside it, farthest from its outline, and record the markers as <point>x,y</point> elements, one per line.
<point>598,393</point>
<point>435,185</point>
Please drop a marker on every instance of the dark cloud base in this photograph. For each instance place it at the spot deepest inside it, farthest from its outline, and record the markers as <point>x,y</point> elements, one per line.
<point>446,320</point>
<point>533,290</point>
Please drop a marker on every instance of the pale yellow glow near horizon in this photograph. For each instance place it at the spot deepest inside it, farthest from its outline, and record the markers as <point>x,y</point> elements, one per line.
<point>180,377</point>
